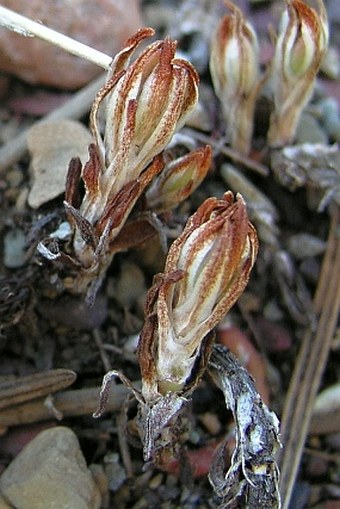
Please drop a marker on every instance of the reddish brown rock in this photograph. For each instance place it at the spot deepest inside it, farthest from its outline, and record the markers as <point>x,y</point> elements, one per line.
<point>102,24</point>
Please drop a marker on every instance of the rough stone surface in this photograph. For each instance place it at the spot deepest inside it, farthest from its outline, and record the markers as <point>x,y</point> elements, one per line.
<point>102,24</point>
<point>52,145</point>
<point>50,472</point>
<point>4,504</point>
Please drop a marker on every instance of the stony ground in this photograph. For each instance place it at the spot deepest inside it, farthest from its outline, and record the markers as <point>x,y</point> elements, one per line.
<point>49,337</point>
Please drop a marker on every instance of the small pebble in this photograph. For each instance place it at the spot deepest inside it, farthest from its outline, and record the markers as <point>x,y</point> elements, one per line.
<point>274,336</point>
<point>316,466</point>
<point>79,316</point>
<point>130,285</point>
<point>211,423</point>
<point>14,249</point>
<point>115,472</point>
<point>333,441</point>
<point>14,177</point>
<point>304,245</point>
<point>156,481</point>
<point>63,232</point>
<point>310,269</point>
<point>272,311</point>
<point>330,64</point>
<point>50,472</point>
<point>330,116</point>
<point>310,131</point>
<point>326,411</point>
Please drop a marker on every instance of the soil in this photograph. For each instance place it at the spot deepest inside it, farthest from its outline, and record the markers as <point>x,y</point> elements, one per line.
<point>43,327</point>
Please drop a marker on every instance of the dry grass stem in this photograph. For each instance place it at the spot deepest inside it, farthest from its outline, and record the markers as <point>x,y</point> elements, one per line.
<point>220,148</point>
<point>310,365</point>
<point>24,26</point>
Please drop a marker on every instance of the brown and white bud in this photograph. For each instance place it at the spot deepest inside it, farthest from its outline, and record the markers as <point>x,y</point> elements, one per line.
<point>234,68</point>
<point>178,180</point>
<point>301,44</point>
<point>207,269</point>
<point>145,103</point>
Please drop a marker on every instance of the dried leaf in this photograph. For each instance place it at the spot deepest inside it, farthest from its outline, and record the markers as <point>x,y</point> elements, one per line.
<point>252,478</point>
<point>34,386</point>
<point>315,166</point>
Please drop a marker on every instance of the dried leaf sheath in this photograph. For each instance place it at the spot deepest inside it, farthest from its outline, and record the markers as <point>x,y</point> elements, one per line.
<point>251,480</point>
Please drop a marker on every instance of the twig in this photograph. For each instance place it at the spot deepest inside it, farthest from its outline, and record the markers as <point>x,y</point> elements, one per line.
<point>233,154</point>
<point>68,403</point>
<point>104,357</point>
<point>24,26</point>
<point>310,365</point>
<point>75,108</point>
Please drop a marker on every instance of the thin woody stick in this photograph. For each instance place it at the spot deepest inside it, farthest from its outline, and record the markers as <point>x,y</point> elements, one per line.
<point>66,403</point>
<point>77,105</point>
<point>24,26</point>
<point>310,365</point>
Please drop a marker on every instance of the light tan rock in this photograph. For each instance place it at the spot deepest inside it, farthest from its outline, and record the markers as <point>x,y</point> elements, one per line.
<point>50,472</point>
<point>52,145</point>
<point>4,504</point>
<point>102,24</point>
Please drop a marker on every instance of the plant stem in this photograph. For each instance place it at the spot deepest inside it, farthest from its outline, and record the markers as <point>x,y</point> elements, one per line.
<point>26,27</point>
<point>310,365</point>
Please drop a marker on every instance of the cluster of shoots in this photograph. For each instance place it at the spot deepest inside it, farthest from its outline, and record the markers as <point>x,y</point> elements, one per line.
<point>208,266</point>
<point>129,179</point>
<point>146,99</point>
<point>143,103</point>
<point>235,71</point>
